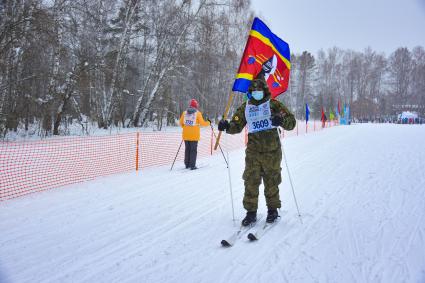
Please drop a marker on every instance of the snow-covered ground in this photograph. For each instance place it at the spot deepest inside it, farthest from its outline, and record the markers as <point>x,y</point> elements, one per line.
<point>361,191</point>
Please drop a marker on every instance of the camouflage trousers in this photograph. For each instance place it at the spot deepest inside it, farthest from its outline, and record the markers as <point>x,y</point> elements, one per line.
<point>264,167</point>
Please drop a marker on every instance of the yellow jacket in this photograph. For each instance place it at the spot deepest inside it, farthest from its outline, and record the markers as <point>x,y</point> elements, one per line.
<point>192,133</point>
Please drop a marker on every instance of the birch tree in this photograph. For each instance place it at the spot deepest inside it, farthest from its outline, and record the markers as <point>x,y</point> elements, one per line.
<point>169,32</point>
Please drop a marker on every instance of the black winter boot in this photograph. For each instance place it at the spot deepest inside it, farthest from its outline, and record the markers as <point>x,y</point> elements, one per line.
<point>272,215</point>
<point>250,218</point>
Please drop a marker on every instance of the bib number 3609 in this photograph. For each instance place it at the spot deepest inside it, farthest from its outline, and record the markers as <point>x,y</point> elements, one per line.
<point>260,124</point>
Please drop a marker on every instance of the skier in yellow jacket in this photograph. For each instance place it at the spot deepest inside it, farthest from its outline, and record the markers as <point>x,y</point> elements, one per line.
<point>191,121</point>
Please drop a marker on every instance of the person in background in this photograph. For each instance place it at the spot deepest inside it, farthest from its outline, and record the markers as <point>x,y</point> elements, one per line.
<point>263,155</point>
<point>191,121</point>
<point>324,119</point>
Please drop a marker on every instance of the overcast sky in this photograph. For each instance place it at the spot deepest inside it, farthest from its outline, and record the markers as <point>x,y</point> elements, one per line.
<point>384,25</point>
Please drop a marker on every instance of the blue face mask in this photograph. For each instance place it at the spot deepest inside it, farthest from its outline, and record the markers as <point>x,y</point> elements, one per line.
<point>258,94</point>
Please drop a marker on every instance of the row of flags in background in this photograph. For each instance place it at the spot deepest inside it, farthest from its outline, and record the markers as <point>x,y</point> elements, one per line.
<point>340,113</point>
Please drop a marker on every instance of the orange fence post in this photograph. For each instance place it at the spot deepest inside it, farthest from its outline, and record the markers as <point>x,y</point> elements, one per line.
<point>137,152</point>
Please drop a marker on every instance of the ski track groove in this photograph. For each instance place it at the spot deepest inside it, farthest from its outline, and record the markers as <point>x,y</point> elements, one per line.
<point>128,255</point>
<point>355,242</point>
<point>404,249</point>
<point>318,213</point>
<point>122,250</point>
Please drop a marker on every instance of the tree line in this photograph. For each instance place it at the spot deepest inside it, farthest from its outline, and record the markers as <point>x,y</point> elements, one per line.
<point>374,85</point>
<point>115,62</point>
<point>129,63</point>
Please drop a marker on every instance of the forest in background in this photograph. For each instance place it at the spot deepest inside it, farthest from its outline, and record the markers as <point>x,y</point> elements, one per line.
<point>130,63</point>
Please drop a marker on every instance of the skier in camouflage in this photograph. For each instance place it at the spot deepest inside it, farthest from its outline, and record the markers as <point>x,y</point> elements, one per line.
<point>263,153</point>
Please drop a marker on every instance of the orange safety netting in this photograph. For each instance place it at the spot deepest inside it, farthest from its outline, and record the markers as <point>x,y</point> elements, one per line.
<point>32,166</point>
<point>27,167</point>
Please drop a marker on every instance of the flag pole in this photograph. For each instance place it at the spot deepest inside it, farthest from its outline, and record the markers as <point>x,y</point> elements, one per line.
<point>226,111</point>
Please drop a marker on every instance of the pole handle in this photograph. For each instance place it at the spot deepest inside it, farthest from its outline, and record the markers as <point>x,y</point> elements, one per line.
<point>226,111</point>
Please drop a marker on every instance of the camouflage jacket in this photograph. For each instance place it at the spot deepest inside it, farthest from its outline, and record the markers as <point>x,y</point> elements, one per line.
<point>267,140</point>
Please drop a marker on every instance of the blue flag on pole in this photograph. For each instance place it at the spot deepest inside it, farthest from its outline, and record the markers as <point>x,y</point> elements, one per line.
<point>307,112</point>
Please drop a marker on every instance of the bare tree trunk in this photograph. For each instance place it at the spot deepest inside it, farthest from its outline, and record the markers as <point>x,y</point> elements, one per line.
<point>66,96</point>
<point>151,97</point>
<point>120,62</point>
<point>140,113</point>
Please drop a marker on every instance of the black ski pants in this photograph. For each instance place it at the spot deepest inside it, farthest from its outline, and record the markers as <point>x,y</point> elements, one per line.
<point>190,153</point>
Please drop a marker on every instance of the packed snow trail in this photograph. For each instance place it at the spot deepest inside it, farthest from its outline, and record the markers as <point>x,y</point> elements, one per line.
<point>361,191</point>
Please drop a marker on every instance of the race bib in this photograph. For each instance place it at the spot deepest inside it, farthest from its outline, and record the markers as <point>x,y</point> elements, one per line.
<point>258,118</point>
<point>190,119</point>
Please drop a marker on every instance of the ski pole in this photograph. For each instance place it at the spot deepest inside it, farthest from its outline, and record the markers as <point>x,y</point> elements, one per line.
<point>231,189</point>
<point>230,183</point>
<point>292,186</point>
<point>212,129</point>
<point>176,155</point>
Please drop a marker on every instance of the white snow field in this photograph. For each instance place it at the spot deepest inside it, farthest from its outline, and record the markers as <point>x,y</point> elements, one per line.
<point>360,188</point>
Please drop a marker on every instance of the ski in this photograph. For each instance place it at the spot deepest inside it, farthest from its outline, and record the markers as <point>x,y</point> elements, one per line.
<point>230,241</point>
<point>185,170</point>
<point>263,230</point>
